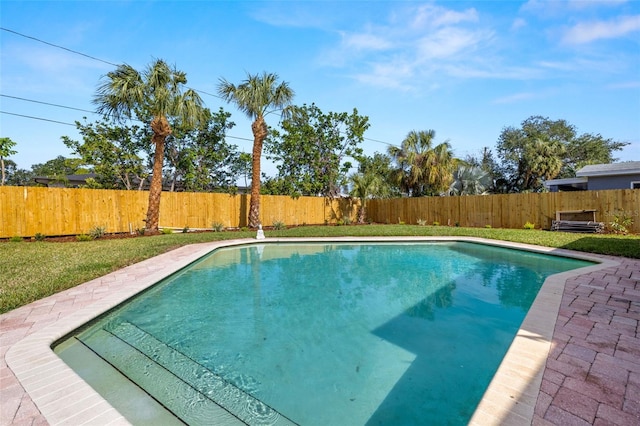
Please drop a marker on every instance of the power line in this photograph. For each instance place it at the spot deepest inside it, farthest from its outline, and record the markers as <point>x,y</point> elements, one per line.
<point>375,140</point>
<point>85,55</point>
<point>58,46</point>
<point>37,118</point>
<point>116,65</point>
<point>93,112</point>
<point>47,103</point>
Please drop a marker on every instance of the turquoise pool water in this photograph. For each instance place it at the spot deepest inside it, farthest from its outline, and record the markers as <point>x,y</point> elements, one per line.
<point>318,334</point>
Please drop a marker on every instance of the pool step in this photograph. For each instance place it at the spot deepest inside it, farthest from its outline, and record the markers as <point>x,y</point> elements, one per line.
<point>191,391</point>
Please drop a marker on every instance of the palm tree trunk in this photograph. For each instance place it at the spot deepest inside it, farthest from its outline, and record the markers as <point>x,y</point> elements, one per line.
<point>362,212</point>
<point>161,130</point>
<point>259,129</point>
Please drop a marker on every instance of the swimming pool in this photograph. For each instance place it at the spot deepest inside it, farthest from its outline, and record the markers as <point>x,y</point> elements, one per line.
<point>330,349</point>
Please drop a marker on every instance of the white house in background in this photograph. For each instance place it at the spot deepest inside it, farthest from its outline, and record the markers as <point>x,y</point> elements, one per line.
<point>600,176</point>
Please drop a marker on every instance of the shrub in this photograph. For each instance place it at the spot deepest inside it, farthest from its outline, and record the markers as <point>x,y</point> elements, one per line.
<point>436,223</point>
<point>185,229</point>
<point>166,231</point>
<point>529,225</point>
<point>39,237</point>
<point>346,220</point>
<point>488,226</point>
<point>97,232</point>
<point>140,231</point>
<point>244,229</point>
<point>620,223</point>
<point>217,227</point>
<point>83,237</point>
<point>16,239</point>
<point>422,222</point>
<point>279,225</point>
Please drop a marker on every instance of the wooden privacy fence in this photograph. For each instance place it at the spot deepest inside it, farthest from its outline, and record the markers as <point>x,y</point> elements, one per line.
<point>509,210</point>
<point>25,211</point>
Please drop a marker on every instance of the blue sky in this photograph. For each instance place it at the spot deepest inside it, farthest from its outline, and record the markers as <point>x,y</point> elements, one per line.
<point>463,69</point>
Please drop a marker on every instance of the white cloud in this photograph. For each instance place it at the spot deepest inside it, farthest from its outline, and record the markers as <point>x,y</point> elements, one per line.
<point>585,4</point>
<point>42,70</point>
<point>392,75</point>
<point>448,42</point>
<point>518,23</point>
<point>586,32</point>
<point>516,97</point>
<point>625,85</point>
<point>553,8</point>
<point>365,42</point>
<point>411,47</point>
<point>433,16</point>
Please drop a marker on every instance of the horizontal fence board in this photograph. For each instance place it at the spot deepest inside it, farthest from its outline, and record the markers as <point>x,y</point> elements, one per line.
<point>25,211</point>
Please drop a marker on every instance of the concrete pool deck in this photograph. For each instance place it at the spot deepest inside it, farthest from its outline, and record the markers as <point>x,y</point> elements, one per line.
<point>575,360</point>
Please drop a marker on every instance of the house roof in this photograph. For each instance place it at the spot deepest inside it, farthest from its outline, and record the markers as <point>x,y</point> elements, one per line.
<point>613,169</point>
<point>72,179</point>
<point>567,181</point>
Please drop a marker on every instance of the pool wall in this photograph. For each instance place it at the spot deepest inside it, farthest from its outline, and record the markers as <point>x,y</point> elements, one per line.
<point>64,398</point>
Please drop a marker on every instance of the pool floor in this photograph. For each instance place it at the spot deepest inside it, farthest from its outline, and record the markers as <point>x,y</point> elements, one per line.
<point>378,332</point>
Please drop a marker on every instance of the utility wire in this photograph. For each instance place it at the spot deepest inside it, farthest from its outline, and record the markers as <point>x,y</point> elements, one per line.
<point>109,63</point>
<point>58,46</point>
<point>86,56</point>
<point>93,112</point>
<point>37,118</point>
<point>72,108</point>
<point>47,103</point>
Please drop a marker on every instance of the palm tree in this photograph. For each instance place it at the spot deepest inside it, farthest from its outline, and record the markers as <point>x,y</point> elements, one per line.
<point>365,186</point>
<point>255,96</point>
<point>470,180</point>
<point>158,92</point>
<point>422,168</point>
<point>541,159</point>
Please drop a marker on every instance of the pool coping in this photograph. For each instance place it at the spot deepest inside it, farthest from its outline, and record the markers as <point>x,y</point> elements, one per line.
<point>62,397</point>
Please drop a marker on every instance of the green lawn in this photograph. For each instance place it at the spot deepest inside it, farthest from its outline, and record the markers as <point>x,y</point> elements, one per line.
<point>33,270</point>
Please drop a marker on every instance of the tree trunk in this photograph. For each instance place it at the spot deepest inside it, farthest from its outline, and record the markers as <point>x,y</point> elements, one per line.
<point>2,167</point>
<point>161,129</point>
<point>362,213</point>
<point>259,129</point>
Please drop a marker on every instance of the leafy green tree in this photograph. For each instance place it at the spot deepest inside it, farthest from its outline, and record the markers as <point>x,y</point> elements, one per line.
<point>274,186</point>
<point>380,165</point>
<point>158,92</point>
<point>59,168</point>
<point>423,169</point>
<point>16,176</point>
<point>6,150</point>
<point>311,152</point>
<point>257,96</point>
<point>543,149</point>
<point>200,159</point>
<point>113,153</point>
<point>588,149</point>
<point>244,166</point>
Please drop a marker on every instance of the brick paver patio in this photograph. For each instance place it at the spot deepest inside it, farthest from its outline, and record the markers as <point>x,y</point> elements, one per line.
<point>592,374</point>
